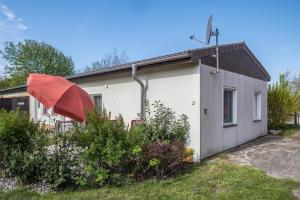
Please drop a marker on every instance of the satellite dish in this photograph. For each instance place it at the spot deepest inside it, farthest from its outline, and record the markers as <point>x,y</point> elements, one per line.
<point>209,29</point>
<point>209,34</point>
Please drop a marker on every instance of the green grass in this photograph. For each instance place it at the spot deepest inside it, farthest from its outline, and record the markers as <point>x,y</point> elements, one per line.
<point>213,180</point>
<point>289,129</point>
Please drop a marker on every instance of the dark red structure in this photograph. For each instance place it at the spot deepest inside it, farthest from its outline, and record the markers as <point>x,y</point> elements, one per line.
<point>65,97</point>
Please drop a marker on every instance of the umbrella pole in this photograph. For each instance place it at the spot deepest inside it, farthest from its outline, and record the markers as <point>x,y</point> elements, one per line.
<point>48,121</point>
<point>64,123</point>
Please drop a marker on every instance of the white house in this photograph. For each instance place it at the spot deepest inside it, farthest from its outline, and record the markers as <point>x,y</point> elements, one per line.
<point>225,109</point>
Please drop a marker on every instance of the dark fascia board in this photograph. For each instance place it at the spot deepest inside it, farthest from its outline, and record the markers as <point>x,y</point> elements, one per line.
<point>209,51</point>
<point>20,88</point>
<point>189,56</point>
<point>261,67</point>
<point>192,56</point>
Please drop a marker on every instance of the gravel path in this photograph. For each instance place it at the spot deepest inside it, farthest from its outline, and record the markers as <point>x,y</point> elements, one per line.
<point>277,156</point>
<point>7,184</point>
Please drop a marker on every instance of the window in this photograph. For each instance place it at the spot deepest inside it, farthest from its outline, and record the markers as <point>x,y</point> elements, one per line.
<point>48,112</point>
<point>257,106</point>
<point>97,99</point>
<point>45,111</point>
<point>229,106</point>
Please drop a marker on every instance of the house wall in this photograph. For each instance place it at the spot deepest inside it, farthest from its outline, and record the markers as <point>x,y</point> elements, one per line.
<point>180,87</point>
<point>20,94</point>
<point>214,137</point>
<point>177,87</point>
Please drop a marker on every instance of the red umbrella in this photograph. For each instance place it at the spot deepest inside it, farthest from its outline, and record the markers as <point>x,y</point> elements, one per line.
<point>65,97</point>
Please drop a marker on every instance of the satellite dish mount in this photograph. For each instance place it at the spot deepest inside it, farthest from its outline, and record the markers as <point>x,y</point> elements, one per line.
<point>210,33</point>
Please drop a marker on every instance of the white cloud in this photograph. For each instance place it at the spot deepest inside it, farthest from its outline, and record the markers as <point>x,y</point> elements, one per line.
<point>11,19</point>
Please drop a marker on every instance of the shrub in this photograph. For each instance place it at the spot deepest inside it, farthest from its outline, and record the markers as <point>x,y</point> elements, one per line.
<point>16,130</point>
<point>62,167</point>
<point>105,154</point>
<point>162,125</point>
<point>26,166</point>
<point>158,145</point>
<point>100,151</point>
<point>23,145</point>
<point>165,158</point>
<point>161,159</point>
<point>282,102</point>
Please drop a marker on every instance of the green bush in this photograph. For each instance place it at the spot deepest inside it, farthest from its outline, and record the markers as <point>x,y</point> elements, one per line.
<point>162,125</point>
<point>159,160</point>
<point>98,152</point>
<point>105,148</point>
<point>23,144</point>
<point>113,154</point>
<point>164,159</point>
<point>31,153</point>
<point>62,166</point>
<point>158,144</point>
<point>16,130</point>
<point>282,103</point>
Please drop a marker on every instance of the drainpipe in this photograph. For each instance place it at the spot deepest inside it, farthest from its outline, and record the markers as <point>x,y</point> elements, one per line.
<point>143,97</point>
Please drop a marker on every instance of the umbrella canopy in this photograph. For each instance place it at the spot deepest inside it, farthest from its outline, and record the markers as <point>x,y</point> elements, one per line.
<point>66,98</point>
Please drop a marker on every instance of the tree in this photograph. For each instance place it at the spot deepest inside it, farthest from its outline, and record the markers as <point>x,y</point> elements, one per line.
<point>31,56</point>
<point>4,82</point>
<point>282,102</point>
<point>296,83</point>
<point>109,60</point>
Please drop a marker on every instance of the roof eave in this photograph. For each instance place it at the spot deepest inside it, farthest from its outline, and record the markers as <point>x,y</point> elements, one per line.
<point>262,68</point>
<point>183,57</point>
<point>189,56</point>
<point>21,88</point>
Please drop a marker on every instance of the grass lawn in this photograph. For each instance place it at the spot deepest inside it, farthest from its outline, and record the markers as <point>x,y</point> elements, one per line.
<point>213,180</point>
<point>290,129</point>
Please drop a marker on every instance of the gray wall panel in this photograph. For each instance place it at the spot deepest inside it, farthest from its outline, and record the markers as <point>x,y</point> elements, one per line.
<point>214,137</point>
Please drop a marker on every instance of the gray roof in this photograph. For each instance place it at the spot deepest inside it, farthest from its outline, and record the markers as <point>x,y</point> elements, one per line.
<point>189,56</point>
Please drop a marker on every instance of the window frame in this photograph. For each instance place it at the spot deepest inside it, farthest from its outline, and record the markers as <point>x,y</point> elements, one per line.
<point>48,112</point>
<point>234,106</point>
<point>44,110</point>
<point>257,109</point>
<point>97,95</point>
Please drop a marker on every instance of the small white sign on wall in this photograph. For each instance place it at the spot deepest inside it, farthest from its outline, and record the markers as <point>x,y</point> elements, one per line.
<point>21,103</point>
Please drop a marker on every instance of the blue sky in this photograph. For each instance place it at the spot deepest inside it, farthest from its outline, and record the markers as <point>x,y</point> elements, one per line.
<point>87,30</point>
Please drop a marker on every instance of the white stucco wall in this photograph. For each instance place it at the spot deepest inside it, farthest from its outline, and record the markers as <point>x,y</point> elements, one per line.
<point>177,87</point>
<point>214,137</point>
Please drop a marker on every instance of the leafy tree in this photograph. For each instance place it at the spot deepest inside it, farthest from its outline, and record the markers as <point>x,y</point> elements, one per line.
<point>296,83</point>
<point>109,60</point>
<point>282,102</point>
<point>4,82</point>
<point>32,56</point>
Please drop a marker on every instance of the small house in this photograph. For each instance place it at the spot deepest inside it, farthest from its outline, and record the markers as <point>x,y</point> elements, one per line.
<point>225,108</point>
